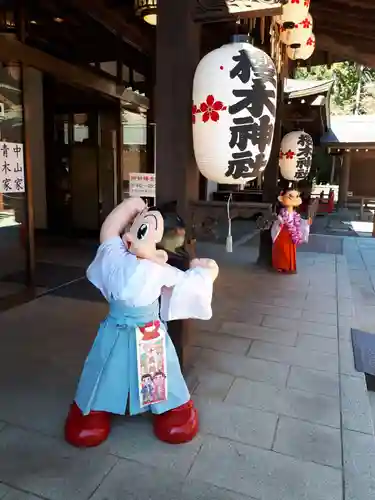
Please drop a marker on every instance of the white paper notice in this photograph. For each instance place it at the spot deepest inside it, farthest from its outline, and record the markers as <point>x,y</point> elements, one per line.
<point>12,172</point>
<point>142,185</point>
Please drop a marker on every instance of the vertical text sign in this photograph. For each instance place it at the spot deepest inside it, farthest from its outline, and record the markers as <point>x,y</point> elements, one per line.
<point>12,174</point>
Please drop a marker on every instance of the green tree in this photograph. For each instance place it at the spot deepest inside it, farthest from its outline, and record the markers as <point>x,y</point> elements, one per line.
<point>353,89</point>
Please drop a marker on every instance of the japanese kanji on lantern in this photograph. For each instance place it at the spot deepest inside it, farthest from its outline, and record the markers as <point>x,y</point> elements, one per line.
<point>296,153</point>
<point>234,106</point>
<point>299,34</point>
<point>304,52</point>
<point>293,12</point>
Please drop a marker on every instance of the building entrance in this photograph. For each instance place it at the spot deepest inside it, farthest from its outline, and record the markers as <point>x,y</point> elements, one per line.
<point>81,159</point>
<point>82,147</point>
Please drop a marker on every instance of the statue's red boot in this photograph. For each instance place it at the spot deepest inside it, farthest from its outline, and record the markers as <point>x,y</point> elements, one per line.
<point>177,426</point>
<point>84,431</point>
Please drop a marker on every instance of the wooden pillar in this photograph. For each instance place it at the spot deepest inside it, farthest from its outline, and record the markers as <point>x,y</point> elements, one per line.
<point>333,168</point>
<point>177,176</point>
<point>27,125</point>
<point>344,181</point>
<point>177,55</point>
<point>271,173</point>
<point>271,178</point>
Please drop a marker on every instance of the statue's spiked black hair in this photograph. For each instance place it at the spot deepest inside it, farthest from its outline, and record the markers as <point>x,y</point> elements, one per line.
<point>171,218</point>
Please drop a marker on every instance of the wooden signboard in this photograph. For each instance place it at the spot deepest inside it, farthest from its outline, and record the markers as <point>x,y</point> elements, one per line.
<point>210,11</point>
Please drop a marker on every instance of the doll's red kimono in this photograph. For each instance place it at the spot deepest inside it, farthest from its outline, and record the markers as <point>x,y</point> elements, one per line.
<point>288,231</point>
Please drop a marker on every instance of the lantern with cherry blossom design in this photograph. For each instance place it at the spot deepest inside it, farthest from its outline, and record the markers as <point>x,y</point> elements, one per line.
<point>304,52</point>
<point>299,34</point>
<point>293,12</point>
<point>234,106</point>
<point>296,153</point>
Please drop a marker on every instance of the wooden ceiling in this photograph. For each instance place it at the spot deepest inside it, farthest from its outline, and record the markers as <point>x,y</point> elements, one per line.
<point>85,31</point>
<point>96,30</point>
<point>345,29</point>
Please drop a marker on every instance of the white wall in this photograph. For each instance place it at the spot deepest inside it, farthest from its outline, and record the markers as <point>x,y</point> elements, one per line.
<point>33,91</point>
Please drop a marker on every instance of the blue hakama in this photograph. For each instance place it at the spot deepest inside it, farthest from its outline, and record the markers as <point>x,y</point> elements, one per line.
<point>109,381</point>
<point>110,377</point>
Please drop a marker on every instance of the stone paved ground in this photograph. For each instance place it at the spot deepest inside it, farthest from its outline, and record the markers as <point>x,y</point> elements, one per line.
<point>283,417</point>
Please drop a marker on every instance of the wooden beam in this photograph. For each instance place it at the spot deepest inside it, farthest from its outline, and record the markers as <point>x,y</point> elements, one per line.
<point>77,37</point>
<point>48,10</point>
<point>13,50</point>
<point>349,22</point>
<point>81,48</point>
<point>299,119</point>
<point>251,14</point>
<point>363,53</point>
<point>73,49</point>
<point>342,43</point>
<point>210,11</point>
<point>343,10</point>
<point>350,33</point>
<point>364,4</point>
<point>139,39</point>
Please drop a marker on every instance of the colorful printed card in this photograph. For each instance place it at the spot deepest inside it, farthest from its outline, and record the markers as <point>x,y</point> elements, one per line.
<point>152,364</point>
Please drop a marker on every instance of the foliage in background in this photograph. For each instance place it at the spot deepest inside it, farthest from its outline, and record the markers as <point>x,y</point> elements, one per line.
<point>353,90</point>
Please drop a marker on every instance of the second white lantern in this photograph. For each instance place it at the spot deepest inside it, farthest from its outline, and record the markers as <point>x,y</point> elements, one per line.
<point>296,152</point>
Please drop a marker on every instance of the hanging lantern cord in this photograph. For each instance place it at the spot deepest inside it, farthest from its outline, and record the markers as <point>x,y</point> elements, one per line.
<point>229,242</point>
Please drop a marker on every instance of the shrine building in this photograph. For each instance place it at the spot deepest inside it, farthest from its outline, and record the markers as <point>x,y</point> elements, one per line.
<point>92,91</point>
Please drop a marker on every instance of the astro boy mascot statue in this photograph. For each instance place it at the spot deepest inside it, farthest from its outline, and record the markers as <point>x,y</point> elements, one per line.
<point>133,275</point>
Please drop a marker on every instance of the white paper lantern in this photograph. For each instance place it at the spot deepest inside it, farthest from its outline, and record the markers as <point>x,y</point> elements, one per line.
<point>234,106</point>
<point>296,152</point>
<point>304,52</point>
<point>293,12</point>
<point>298,35</point>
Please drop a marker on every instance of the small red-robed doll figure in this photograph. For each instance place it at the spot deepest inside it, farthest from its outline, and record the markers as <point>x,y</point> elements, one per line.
<point>288,231</point>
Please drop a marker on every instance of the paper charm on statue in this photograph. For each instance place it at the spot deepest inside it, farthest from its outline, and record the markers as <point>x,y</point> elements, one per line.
<point>152,363</point>
<point>296,152</point>
<point>234,106</point>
